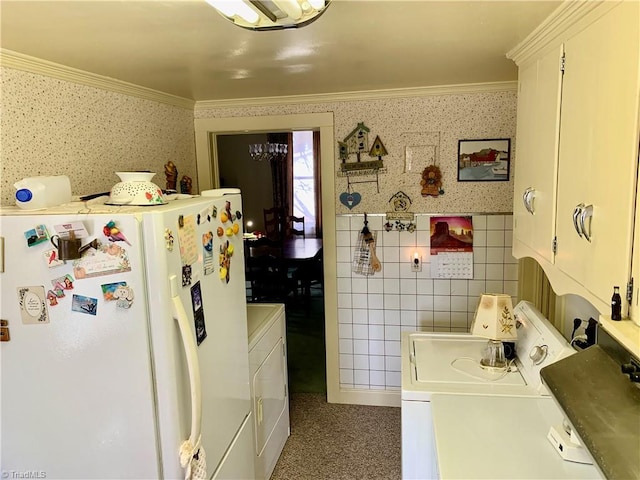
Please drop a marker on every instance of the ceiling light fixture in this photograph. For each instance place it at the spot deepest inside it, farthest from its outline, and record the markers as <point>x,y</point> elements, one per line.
<point>268,151</point>
<point>270,14</point>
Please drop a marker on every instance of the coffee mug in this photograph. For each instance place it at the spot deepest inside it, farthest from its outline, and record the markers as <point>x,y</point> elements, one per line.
<point>68,248</point>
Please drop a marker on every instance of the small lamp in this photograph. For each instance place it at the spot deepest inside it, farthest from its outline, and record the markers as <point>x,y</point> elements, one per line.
<point>494,320</point>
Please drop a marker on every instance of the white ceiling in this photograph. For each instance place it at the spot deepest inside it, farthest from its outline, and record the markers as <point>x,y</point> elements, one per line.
<point>185,48</point>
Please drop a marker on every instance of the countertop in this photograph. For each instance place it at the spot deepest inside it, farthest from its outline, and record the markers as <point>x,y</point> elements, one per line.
<point>488,437</point>
<point>624,331</point>
<point>603,406</point>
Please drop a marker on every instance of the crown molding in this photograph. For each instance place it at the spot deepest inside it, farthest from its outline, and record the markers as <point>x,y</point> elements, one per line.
<point>26,63</point>
<point>19,61</point>
<point>564,21</point>
<point>359,95</point>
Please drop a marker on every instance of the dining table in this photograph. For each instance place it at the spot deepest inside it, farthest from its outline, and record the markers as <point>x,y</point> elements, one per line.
<point>271,265</point>
<point>297,248</point>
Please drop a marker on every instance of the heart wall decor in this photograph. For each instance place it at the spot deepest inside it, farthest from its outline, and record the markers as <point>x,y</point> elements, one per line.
<point>350,200</point>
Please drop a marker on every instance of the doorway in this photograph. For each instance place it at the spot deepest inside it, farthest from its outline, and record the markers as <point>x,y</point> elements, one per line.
<point>294,173</point>
<point>207,131</point>
<point>287,182</point>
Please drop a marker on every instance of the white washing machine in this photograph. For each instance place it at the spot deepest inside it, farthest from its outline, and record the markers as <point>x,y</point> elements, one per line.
<point>269,385</point>
<point>448,364</point>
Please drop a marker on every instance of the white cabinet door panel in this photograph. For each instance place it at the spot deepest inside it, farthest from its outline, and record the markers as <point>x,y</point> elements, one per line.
<point>540,85</point>
<point>598,149</point>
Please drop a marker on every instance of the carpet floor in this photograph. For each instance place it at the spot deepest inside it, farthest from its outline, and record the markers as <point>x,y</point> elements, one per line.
<point>340,442</point>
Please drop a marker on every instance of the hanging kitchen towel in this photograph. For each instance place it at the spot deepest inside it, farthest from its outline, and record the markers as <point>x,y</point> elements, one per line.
<point>193,460</point>
<point>362,258</point>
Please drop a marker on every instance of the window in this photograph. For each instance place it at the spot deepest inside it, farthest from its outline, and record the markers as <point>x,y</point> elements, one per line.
<point>304,200</point>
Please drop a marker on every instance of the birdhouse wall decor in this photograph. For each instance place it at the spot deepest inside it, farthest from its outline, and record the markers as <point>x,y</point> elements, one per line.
<point>357,143</point>
<point>401,218</point>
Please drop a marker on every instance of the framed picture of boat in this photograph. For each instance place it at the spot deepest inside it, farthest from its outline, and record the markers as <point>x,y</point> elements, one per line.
<point>486,160</point>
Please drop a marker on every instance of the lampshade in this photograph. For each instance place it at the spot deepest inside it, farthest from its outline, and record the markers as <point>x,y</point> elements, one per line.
<point>270,14</point>
<point>494,318</point>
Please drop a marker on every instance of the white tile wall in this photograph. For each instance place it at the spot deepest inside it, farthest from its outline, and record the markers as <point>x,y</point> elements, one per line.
<point>374,310</point>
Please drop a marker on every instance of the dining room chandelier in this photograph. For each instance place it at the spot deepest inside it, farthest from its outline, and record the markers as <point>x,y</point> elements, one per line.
<point>270,14</point>
<point>268,151</point>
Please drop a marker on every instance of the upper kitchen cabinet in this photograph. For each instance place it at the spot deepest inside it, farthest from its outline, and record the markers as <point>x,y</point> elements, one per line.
<point>589,151</point>
<point>599,151</point>
<point>539,90</point>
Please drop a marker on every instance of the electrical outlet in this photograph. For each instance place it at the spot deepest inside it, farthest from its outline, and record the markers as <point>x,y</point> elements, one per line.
<point>416,263</point>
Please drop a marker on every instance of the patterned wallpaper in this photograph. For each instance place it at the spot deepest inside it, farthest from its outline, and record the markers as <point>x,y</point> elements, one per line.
<point>54,127</point>
<point>416,121</point>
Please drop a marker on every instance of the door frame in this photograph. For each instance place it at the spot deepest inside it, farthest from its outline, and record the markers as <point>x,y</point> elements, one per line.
<point>206,131</point>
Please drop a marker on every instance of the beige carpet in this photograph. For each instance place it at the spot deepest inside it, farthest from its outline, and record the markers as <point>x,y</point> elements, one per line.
<point>331,441</point>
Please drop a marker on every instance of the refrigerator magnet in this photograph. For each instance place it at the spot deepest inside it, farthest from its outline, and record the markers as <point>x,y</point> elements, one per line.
<point>225,260</point>
<point>207,255</point>
<point>168,239</point>
<point>196,298</point>
<point>36,235</point>
<point>65,282</point>
<point>198,313</point>
<point>204,214</point>
<point>113,233</point>
<point>52,297</point>
<point>227,208</point>
<point>187,240</point>
<point>82,304</point>
<point>71,230</point>
<point>186,275</point>
<point>51,258</point>
<point>106,260</point>
<point>5,336</point>
<point>109,288</point>
<point>123,295</point>
<point>33,307</point>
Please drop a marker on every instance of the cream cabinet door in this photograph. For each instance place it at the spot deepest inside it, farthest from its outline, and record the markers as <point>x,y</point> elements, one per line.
<point>539,89</point>
<point>599,151</point>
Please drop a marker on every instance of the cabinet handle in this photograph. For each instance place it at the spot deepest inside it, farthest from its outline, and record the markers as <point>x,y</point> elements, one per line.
<point>576,214</point>
<point>587,212</point>
<point>527,198</point>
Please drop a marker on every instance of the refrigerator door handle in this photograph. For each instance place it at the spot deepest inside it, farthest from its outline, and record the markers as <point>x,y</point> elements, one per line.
<point>190,451</point>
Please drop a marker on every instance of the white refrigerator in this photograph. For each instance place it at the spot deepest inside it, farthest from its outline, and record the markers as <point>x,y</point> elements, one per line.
<point>98,380</point>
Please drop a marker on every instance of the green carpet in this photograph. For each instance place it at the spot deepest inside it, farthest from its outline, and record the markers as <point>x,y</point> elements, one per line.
<point>306,345</point>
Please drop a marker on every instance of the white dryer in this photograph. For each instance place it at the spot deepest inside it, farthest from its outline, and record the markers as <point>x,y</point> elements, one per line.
<point>269,386</point>
<point>448,363</point>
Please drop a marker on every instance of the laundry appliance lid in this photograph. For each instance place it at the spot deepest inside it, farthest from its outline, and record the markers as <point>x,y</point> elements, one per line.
<point>456,359</point>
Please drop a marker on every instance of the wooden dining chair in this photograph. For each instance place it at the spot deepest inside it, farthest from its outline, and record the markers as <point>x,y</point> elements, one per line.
<point>273,222</point>
<point>295,226</point>
<point>310,272</point>
<point>267,275</point>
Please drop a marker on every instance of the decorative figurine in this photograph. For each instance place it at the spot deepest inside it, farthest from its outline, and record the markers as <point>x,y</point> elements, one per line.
<point>185,185</point>
<point>431,182</point>
<point>171,173</point>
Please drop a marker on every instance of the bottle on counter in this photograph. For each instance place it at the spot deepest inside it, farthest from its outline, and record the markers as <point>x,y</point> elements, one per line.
<point>35,193</point>
<point>616,304</point>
